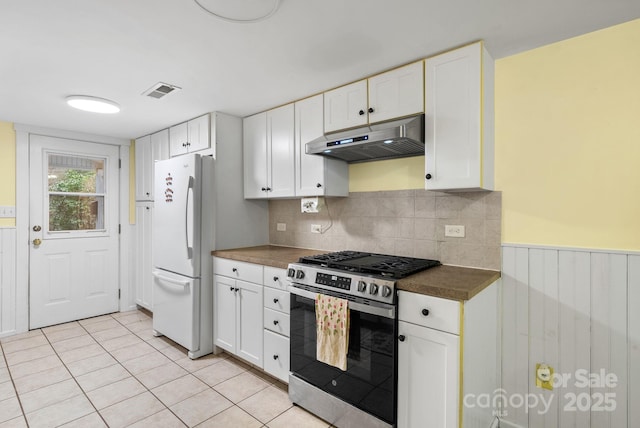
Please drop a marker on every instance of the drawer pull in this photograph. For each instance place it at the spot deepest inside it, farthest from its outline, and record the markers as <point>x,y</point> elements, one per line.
<point>275,279</point>
<point>275,357</point>
<point>425,312</point>
<point>401,338</point>
<point>276,322</point>
<point>275,300</point>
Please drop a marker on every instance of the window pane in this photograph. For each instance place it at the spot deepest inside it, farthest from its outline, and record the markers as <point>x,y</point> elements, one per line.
<point>76,212</point>
<point>75,174</point>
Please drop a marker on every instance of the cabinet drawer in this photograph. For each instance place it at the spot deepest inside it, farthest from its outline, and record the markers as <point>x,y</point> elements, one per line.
<point>276,299</point>
<point>441,314</point>
<point>276,321</point>
<point>275,278</point>
<point>239,270</point>
<point>276,355</point>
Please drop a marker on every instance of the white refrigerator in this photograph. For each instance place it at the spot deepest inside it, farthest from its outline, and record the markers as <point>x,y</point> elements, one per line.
<point>182,245</point>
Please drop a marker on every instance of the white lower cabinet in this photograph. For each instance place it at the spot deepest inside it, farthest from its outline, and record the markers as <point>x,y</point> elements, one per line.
<point>276,323</point>
<point>143,248</point>
<point>438,340</point>
<point>238,324</point>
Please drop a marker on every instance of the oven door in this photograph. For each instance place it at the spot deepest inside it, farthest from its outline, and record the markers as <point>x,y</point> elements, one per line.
<point>369,383</point>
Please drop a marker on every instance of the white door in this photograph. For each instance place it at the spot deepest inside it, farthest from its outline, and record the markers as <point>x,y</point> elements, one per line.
<point>249,322</point>
<point>255,156</point>
<point>280,155</point>
<point>73,259</point>
<point>346,107</point>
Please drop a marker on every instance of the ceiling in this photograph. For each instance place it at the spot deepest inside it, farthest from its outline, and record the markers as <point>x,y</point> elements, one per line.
<point>117,49</point>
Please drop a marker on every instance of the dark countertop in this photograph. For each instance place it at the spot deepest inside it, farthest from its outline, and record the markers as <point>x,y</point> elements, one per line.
<point>449,282</point>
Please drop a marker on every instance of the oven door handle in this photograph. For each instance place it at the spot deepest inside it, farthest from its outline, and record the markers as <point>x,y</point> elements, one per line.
<point>386,311</point>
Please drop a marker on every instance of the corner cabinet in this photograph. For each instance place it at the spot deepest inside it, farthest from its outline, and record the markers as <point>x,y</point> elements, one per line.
<point>446,350</point>
<point>191,136</point>
<point>459,140</point>
<point>315,175</point>
<point>393,94</point>
<point>238,303</point>
<point>268,144</point>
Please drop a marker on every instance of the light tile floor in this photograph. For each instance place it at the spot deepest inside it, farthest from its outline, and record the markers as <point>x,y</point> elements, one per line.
<point>111,371</point>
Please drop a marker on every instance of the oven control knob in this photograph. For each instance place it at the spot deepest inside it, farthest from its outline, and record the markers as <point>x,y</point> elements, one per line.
<point>291,272</point>
<point>386,291</point>
<point>299,274</point>
<point>362,286</point>
<point>373,288</point>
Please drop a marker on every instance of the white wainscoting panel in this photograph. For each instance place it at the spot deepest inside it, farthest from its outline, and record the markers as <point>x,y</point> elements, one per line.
<point>579,312</point>
<point>7,281</point>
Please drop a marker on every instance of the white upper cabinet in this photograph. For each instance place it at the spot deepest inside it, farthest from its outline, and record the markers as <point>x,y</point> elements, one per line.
<point>315,175</point>
<point>346,107</point>
<point>149,149</point>
<point>191,136</point>
<point>459,120</point>
<point>269,154</point>
<point>396,93</point>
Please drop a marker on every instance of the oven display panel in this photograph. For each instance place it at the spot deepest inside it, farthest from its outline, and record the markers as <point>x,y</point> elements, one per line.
<point>333,281</point>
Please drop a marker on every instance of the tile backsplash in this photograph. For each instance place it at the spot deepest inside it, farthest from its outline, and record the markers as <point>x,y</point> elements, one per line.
<point>403,222</point>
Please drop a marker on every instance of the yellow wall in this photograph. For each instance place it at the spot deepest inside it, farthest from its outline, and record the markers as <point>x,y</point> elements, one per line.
<point>394,174</point>
<point>7,169</point>
<point>568,141</point>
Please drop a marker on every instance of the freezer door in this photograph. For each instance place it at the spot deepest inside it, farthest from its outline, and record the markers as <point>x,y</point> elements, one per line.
<point>176,311</point>
<point>177,215</point>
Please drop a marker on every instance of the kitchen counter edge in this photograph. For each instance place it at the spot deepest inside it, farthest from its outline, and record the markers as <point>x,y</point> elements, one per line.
<point>446,281</point>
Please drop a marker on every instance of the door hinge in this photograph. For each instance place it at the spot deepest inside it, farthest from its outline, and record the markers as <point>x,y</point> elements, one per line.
<point>120,163</point>
<point>119,229</point>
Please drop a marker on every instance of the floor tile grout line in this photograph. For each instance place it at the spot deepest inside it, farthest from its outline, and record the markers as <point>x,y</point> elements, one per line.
<point>15,390</point>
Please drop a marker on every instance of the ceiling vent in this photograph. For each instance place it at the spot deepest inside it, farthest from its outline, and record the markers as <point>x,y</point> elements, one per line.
<point>160,89</point>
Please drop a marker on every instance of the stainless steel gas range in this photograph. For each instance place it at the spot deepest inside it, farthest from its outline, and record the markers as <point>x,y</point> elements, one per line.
<point>364,395</point>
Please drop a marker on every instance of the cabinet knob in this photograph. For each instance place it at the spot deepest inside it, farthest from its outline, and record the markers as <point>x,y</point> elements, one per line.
<point>234,270</point>
<point>147,193</point>
<point>268,189</point>
<point>147,208</point>
<point>275,279</point>
<point>318,185</point>
<point>275,300</point>
<point>236,289</point>
<point>425,312</point>
<point>264,189</point>
<point>428,176</point>
<point>371,110</point>
<point>230,288</point>
<point>401,338</point>
<point>276,322</point>
<point>275,357</point>
<point>184,144</point>
<point>361,112</point>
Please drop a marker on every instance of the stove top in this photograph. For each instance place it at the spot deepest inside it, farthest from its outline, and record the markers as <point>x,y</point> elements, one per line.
<point>370,263</point>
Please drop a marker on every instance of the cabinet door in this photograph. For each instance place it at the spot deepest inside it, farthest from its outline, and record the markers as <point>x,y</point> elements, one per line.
<point>453,119</point>
<point>396,93</point>
<point>198,131</point>
<point>249,320</point>
<point>345,107</point>
<point>144,259</point>
<point>144,188</point>
<point>428,377</point>
<point>178,139</point>
<point>224,323</point>
<point>309,168</point>
<point>159,151</point>
<point>280,155</point>
<point>276,355</point>
<point>255,156</point>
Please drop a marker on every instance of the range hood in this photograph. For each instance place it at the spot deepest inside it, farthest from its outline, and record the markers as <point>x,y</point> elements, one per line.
<point>389,140</point>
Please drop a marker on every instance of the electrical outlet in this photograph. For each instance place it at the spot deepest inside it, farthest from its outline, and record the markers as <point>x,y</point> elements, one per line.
<point>281,227</point>
<point>316,228</point>
<point>454,231</point>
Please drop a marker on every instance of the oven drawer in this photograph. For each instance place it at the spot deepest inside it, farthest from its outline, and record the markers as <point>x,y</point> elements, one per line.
<point>275,278</point>
<point>276,321</point>
<point>277,300</point>
<point>428,311</point>
<point>239,270</point>
<point>276,355</point>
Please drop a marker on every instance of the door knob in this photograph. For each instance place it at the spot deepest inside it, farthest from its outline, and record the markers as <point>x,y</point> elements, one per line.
<point>37,242</point>
<point>37,228</point>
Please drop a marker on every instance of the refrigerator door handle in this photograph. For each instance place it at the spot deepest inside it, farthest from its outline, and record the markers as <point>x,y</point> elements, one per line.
<point>172,281</point>
<point>186,221</point>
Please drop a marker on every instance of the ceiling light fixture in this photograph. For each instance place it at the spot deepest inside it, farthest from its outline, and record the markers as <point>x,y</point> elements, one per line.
<point>92,104</point>
<point>240,12</point>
